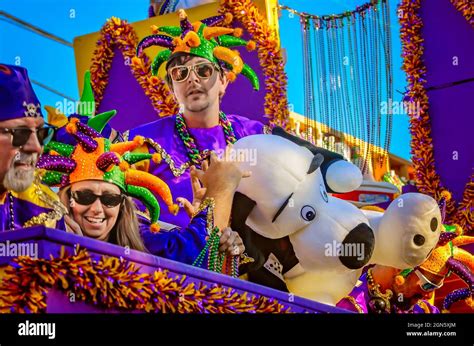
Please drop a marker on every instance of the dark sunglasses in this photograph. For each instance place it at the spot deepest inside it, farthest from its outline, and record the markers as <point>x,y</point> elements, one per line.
<point>86,197</point>
<point>203,70</point>
<point>21,135</point>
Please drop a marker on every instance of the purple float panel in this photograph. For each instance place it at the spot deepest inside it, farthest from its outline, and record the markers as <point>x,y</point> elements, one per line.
<point>409,188</point>
<point>240,97</point>
<point>447,35</point>
<point>449,48</point>
<point>452,123</point>
<point>124,94</point>
<point>50,241</point>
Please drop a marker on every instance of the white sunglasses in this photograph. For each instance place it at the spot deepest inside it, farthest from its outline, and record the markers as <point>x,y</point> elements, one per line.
<point>426,285</point>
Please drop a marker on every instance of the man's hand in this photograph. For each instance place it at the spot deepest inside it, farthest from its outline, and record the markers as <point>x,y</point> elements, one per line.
<point>222,175</point>
<point>231,243</point>
<point>198,193</point>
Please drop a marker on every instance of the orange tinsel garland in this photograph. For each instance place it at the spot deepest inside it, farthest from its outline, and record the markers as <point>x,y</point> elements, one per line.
<point>427,179</point>
<point>466,7</point>
<point>115,283</point>
<point>271,60</point>
<point>118,34</point>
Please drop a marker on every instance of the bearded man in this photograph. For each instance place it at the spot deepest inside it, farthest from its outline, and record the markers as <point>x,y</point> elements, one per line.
<point>24,202</point>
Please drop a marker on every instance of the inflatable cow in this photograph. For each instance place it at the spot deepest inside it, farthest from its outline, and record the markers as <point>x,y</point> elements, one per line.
<point>308,242</point>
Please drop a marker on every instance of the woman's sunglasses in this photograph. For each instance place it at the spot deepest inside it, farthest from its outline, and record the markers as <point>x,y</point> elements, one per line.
<point>425,284</point>
<point>86,197</point>
<point>203,70</point>
<point>21,135</point>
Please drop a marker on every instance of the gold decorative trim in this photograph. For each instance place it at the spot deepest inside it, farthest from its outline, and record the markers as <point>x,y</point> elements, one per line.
<point>354,303</point>
<point>167,158</point>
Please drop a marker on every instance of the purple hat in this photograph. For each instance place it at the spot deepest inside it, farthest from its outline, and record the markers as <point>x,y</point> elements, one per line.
<point>17,98</point>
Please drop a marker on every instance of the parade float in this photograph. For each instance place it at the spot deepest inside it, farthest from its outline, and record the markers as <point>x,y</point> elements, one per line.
<point>76,274</point>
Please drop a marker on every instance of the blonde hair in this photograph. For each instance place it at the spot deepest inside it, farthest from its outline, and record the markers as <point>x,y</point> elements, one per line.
<point>126,230</point>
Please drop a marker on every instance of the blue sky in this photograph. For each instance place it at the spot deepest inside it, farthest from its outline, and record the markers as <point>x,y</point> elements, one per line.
<point>53,64</point>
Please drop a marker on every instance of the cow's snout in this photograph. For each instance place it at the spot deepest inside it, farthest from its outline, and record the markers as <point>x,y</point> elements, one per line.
<point>357,247</point>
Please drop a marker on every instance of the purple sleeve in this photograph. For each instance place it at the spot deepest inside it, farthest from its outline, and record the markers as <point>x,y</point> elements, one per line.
<point>356,300</point>
<point>182,245</point>
<point>418,308</point>
<point>60,224</point>
<point>245,127</point>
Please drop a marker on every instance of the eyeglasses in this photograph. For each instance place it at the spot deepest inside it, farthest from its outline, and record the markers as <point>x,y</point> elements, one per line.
<point>21,135</point>
<point>86,197</point>
<point>203,70</point>
<point>425,284</point>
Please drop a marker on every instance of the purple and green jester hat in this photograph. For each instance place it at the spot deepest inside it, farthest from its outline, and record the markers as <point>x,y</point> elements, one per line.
<point>85,112</point>
<point>94,157</point>
<point>203,39</point>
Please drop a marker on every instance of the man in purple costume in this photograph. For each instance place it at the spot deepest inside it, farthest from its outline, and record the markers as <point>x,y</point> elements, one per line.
<point>199,66</point>
<point>24,201</point>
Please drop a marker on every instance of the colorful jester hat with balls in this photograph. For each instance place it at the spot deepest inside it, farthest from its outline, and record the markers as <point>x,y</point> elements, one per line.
<point>95,158</point>
<point>85,112</point>
<point>203,39</point>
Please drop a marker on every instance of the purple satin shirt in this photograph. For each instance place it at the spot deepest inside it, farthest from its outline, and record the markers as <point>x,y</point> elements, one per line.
<point>163,131</point>
<point>23,211</point>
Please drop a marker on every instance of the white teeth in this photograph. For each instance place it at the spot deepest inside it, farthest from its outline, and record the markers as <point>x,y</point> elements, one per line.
<point>95,219</point>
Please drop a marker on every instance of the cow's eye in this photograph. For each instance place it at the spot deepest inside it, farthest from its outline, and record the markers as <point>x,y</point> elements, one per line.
<point>308,213</point>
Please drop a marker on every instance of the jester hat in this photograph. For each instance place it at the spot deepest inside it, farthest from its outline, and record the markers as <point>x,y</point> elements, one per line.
<point>203,39</point>
<point>94,157</point>
<point>85,112</point>
<point>448,257</point>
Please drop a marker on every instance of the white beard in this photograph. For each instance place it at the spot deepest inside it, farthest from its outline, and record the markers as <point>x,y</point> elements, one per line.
<point>19,180</point>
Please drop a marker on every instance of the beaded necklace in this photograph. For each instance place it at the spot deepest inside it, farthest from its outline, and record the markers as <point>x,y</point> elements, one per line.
<point>12,212</point>
<point>217,261</point>
<point>189,142</point>
<point>379,302</point>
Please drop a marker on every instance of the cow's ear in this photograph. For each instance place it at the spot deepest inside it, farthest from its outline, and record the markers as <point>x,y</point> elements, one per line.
<point>328,155</point>
<point>278,131</point>
<point>242,206</point>
<point>316,162</point>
